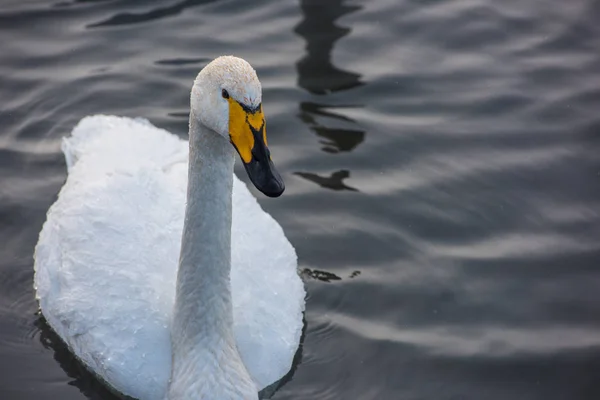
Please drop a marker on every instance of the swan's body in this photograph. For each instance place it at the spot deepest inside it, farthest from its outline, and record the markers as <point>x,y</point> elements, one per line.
<point>106,263</point>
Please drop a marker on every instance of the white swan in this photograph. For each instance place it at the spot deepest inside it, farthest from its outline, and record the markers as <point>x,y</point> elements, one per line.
<point>106,263</point>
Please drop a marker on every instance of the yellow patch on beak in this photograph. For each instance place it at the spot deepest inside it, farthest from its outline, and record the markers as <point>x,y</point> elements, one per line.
<point>242,123</point>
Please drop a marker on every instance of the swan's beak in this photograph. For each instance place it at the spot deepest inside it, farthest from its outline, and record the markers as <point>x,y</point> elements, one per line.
<point>248,135</point>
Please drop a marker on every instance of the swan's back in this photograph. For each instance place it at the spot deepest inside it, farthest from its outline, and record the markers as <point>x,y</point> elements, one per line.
<point>107,256</point>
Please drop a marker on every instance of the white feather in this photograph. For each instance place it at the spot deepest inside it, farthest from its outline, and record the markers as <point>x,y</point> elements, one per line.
<point>107,256</point>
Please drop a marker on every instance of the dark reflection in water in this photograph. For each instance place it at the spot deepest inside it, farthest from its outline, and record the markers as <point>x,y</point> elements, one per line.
<point>318,75</point>
<point>336,139</point>
<point>309,110</point>
<point>201,62</point>
<point>270,390</point>
<point>339,139</point>
<point>82,379</point>
<point>71,3</point>
<point>323,276</point>
<point>316,72</point>
<point>333,182</point>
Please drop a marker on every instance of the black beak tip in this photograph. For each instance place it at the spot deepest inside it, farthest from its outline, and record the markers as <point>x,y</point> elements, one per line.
<point>273,188</point>
<point>265,177</point>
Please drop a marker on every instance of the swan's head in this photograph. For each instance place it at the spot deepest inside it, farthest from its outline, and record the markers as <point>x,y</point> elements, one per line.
<point>226,98</point>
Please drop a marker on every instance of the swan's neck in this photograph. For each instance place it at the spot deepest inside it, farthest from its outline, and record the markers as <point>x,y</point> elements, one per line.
<point>203,294</point>
<point>203,343</point>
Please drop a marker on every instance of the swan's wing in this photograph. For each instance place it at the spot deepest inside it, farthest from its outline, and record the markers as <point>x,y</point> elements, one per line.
<point>268,295</point>
<point>107,256</point>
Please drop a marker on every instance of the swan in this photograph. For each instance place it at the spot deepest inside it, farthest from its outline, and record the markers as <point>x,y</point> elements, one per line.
<point>156,265</point>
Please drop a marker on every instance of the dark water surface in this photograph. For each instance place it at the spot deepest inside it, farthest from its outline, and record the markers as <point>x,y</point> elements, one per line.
<point>442,164</point>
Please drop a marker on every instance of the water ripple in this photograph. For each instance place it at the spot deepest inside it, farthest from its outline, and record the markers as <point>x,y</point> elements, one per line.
<point>447,150</point>
<point>130,18</point>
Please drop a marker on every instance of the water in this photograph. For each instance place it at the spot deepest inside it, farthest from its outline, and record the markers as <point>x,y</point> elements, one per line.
<point>442,165</point>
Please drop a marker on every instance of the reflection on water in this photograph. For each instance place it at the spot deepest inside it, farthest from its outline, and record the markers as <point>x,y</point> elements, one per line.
<point>81,378</point>
<point>339,139</point>
<point>316,72</point>
<point>270,390</point>
<point>325,276</point>
<point>74,2</point>
<point>336,139</point>
<point>318,75</point>
<point>201,62</point>
<point>333,182</point>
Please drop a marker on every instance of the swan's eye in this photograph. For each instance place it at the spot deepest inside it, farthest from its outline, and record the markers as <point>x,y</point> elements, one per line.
<point>225,94</point>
